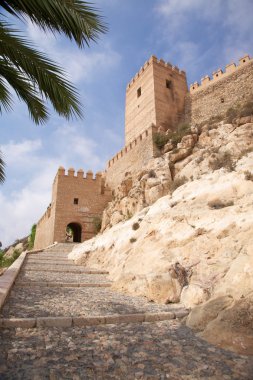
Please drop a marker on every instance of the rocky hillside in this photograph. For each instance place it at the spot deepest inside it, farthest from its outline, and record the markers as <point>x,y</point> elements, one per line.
<point>182,231</point>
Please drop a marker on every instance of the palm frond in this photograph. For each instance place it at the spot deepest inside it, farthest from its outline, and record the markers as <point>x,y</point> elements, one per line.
<point>77,19</point>
<point>25,90</point>
<point>39,73</point>
<point>2,165</point>
<point>5,96</point>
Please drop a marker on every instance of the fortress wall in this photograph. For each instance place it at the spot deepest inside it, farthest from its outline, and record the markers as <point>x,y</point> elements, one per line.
<point>45,227</point>
<point>45,230</point>
<point>92,198</point>
<point>225,90</point>
<point>132,158</point>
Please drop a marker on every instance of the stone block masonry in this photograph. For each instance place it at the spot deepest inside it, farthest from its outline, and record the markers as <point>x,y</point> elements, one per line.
<point>154,96</point>
<point>76,201</point>
<point>214,97</point>
<point>132,157</point>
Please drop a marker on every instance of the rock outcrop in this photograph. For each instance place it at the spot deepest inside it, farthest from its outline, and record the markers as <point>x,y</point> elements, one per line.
<point>187,237</point>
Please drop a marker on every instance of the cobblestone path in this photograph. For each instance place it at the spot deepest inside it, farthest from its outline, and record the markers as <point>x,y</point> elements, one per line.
<point>50,286</point>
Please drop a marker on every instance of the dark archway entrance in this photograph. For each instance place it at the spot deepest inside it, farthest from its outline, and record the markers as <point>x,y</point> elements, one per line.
<point>74,233</point>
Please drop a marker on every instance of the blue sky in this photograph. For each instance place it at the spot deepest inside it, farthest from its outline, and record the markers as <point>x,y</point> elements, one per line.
<point>198,36</point>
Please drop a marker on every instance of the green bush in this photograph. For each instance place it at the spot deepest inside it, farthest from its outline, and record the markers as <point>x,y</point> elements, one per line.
<point>133,240</point>
<point>31,238</point>
<point>160,140</point>
<point>7,261</point>
<point>97,222</point>
<point>181,131</point>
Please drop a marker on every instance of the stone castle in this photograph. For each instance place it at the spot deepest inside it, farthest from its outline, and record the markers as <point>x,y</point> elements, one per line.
<point>157,99</point>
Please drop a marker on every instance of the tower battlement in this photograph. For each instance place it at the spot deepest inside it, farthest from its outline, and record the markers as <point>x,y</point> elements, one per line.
<point>220,74</point>
<point>161,62</point>
<point>79,174</point>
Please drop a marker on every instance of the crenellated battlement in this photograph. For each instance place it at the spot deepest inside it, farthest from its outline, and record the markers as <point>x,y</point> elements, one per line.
<point>153,59</point>
<point>220,74</point>
<point>129,147</point>
<point>79,174</point>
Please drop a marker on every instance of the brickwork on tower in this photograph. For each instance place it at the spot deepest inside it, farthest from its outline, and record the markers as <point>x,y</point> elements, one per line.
<point>154,96</point>
<point>75,199</point>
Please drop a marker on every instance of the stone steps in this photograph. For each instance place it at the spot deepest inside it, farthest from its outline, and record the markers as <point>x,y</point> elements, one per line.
<point>88,321</point>
<point>63,284</point>
<point>77,271</point>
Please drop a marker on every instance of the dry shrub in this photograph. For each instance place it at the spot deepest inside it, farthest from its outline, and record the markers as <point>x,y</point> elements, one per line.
<point>177,183</point>
<point>223,160</point>
<point>218,204</point>
<point>135,226</point>
<point>248,175</point>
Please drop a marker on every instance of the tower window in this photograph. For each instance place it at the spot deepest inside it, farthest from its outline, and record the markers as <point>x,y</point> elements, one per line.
<point>139,92</point>
<point>75,201</point>
<point>168,83</point>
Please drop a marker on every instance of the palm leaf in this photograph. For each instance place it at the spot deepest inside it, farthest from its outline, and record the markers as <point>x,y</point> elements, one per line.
<point>41,76</point>
<point>77,19</point>
<point>2,165</point>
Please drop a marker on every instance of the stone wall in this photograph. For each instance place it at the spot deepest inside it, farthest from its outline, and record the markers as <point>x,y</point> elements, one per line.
<point>132,158</point>
<point>214,97</point>
<point>45,229</point>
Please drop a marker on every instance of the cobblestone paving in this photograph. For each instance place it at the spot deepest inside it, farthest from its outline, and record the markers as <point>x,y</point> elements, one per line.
<point>61,277</point>
<point>147,351</point>
<point>154,351</point>
<point>45,302</point>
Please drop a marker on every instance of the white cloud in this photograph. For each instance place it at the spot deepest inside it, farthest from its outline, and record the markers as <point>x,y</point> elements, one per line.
<point>80,65</point>
<point>26,201</point>
<point>226,23</point>
<point>19,153</point>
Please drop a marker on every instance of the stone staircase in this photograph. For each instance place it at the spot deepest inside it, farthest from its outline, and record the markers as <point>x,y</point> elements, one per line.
<point>64,321</point>
<point>51,290</point>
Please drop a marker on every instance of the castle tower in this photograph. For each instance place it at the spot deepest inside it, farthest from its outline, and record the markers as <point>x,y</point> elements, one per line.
<point>154,96</point>
<point>77,200</point>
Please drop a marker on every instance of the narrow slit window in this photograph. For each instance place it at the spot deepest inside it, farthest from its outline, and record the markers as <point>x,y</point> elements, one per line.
<point>139,92</point>
<point>168,83</point>
<point>75,201</point>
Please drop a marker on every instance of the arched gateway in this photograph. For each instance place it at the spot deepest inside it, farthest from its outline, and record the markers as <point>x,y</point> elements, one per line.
<point>74,232</point>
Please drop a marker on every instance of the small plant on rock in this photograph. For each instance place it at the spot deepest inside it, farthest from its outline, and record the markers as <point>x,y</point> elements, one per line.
<point>135,226</point>
<point>151,174</point>
<point>223,160</point>
<point>218,204</point>
<point>248,175</point>
<point>177,183</point>
<point>160,140</point>
<point>133,240</point>
<point>97,223</point>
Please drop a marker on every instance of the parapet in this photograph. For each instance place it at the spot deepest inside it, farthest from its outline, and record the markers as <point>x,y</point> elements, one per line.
<point>139,139</point>
<point>219,74</point>
<point>153,59</point>
<point>79,174</point>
